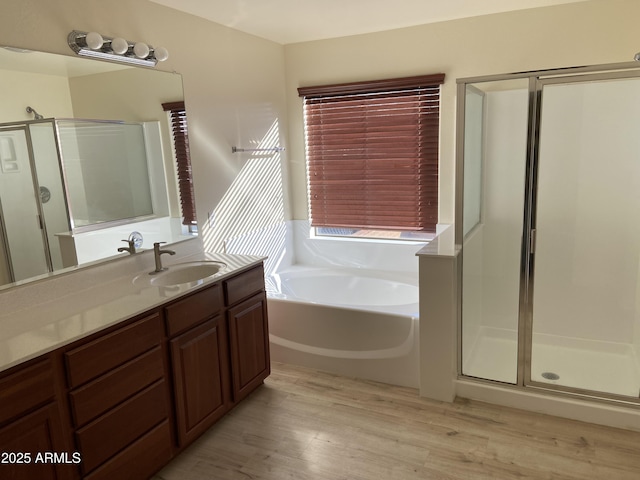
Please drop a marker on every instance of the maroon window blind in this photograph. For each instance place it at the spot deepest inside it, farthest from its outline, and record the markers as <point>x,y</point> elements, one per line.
<point>372,153</point>
<point>178,116</point>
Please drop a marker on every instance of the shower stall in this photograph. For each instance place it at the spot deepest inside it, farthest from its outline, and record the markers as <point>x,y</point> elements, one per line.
<point>60,176</point>
<point>548,185</point>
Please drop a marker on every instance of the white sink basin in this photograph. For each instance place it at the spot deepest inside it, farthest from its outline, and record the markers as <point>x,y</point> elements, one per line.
<point>183,273</point>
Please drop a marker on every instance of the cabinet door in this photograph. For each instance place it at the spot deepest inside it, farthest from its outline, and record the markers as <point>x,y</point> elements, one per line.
<point>201,379</point>
<point>24,443</point>
<point>249,344</point>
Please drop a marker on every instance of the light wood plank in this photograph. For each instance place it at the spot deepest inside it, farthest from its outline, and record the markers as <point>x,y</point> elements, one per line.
<point>308,425</point>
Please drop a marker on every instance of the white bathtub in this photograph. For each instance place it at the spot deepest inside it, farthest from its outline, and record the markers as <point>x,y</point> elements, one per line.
<point>347,306</point>
<point>355,322</point>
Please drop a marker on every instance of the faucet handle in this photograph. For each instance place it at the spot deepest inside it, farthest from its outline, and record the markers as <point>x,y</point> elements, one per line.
<point>156,246</point>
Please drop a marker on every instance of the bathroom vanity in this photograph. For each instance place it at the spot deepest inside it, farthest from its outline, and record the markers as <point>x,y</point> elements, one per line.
<point>125,399</point>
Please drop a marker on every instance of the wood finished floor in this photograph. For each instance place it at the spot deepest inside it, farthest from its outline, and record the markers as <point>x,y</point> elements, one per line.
<point>303,424</point>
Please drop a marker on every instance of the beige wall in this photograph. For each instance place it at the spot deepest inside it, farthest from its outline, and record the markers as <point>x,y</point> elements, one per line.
<point>233,81</point>
<point>240,88</point>
<point>584,33</point>
<point>46,93</point>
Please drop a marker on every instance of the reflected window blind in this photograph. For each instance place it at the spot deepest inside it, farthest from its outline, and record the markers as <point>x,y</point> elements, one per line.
<point>372,153</point>
<point>178,116</point>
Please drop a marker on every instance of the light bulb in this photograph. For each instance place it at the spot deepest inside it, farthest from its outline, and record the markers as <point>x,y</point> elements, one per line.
<point>161,54</point>
<point>119,46</point>
<point>94,40</point>
<point>141,50</point>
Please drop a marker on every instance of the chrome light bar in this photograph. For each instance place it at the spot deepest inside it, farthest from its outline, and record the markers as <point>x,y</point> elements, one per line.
<point>94,45</point>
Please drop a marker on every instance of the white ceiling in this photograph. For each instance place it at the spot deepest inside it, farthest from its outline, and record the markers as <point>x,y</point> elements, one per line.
<point>292,21</point>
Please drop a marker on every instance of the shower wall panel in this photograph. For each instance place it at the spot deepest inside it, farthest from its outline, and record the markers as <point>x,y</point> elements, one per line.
<point>588,245</point>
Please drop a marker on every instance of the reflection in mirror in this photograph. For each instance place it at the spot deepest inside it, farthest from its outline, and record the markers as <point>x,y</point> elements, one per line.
<point>86,161</point>
<point>105,167</point>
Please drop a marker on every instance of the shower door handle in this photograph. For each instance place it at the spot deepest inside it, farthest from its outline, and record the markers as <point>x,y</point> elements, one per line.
<point>39,218</point>
<point>532,241</point>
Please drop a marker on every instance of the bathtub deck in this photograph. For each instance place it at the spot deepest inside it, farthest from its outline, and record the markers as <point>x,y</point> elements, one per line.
<point>303,425</point>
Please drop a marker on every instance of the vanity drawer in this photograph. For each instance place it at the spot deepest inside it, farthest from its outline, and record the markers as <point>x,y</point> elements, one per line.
<point>244,285</point>
<point>104,437</point>
<point>112,350</point>
<point>139,460</point>
<point>194,309</point>
<point>24,389</point>
<point>105,392</point>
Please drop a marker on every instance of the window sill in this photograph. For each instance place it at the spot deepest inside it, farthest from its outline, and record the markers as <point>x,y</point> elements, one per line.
<point>364,235</point>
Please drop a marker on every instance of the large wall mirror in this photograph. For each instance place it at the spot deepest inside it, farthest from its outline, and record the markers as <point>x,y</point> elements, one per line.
<point>86,161</point>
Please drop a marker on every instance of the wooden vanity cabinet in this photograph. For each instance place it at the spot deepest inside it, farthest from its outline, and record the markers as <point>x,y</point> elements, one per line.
<point>120,401</point>
<point>200,362</point>
<point>248,331</point>
<point>30,424</point>
<point>218,357</point>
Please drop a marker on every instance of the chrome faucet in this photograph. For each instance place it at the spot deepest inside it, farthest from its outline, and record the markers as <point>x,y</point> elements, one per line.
<point>156,253</point>
<point>131,248</point>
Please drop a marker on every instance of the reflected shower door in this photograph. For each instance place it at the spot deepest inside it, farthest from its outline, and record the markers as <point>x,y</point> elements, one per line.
<point>52,194</point>
<point>25,245</point>
<point>586,290</point>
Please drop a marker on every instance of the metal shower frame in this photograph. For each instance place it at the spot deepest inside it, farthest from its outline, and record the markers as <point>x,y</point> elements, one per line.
<point>537,79</point>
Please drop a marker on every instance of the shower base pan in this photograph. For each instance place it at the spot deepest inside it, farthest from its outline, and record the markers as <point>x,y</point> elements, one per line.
<point>592,365</point>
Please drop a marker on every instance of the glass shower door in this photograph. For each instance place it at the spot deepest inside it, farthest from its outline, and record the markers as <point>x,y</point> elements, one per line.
<point>52,194</point>
<point>495,148</point>
<point>586,243</point>
<point>24,243</point>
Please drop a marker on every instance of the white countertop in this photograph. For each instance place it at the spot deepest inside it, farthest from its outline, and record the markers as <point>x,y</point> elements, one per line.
<point>40,323</point>
<point>442,246</point>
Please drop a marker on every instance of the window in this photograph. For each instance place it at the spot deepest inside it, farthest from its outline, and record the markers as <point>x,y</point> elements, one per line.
<point>372,154</point>
<point>178,117</point>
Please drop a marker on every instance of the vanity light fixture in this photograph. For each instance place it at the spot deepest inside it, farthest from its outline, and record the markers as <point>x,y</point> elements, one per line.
<point>92,44</point>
